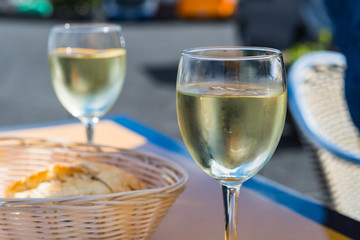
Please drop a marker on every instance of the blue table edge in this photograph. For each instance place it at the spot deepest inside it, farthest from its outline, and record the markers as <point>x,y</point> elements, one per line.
<point>269,189</point>
<point>264,186</point>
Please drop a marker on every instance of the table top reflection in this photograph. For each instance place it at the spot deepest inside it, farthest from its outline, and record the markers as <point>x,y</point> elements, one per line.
<point>267,210</point>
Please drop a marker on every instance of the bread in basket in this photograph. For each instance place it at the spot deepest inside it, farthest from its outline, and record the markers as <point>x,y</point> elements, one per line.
<point>124,215</point>
<point>76,178</point>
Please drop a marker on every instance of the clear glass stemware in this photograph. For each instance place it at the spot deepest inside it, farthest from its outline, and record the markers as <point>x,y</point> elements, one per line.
<point>231,106</point>
<point>87,65</point>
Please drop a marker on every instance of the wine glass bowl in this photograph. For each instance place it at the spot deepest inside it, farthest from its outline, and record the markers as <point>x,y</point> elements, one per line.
<point>231,106</point>
<point>87,65</point>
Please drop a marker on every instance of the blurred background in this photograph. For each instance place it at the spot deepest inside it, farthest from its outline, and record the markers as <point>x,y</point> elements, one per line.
<point>156,31</point>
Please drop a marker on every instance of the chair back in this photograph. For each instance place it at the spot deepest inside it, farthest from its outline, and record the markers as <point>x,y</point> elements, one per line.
<point>317,103</point>
<point>318,106</point>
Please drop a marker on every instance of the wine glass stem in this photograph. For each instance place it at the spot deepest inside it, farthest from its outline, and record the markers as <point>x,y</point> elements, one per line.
<point>231,197</point>
<point>90,125</point>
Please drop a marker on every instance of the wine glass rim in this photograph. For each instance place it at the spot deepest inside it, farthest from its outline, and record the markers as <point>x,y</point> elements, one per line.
<point>86,27</point>
<point>268,53</point>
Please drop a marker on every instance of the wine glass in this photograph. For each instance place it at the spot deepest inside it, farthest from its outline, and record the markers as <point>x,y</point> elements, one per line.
<point>87,65</point>
<point>231,107</point>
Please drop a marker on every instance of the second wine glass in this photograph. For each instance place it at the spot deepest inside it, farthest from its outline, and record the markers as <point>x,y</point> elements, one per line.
<point>87,67</point>
<point>231,106</point>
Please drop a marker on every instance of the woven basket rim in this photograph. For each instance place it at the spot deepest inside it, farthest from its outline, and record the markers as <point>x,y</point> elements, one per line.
<point>129,194</point>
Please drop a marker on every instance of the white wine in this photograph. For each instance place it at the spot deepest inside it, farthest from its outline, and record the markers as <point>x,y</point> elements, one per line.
<point>87,81</point>
<point>231,130</point>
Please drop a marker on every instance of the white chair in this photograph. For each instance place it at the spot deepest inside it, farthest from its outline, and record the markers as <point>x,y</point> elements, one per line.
<point>318,106</point>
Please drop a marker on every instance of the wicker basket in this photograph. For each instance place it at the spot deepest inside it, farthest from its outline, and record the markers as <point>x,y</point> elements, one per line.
<point>127,215</point>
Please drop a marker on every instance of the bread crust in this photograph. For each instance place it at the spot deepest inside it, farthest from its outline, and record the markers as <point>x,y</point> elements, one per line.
<point>74,179</point>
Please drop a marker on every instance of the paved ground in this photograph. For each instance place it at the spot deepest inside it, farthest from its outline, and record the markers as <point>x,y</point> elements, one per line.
<point>26,95</point>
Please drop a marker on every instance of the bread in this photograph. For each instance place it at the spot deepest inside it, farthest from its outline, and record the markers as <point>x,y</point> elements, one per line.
<point>75,179</point>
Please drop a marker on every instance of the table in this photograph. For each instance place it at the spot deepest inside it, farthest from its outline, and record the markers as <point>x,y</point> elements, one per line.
<point>267,210</point>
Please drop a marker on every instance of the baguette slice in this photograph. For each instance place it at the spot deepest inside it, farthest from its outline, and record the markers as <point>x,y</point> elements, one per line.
<point>75,179</point>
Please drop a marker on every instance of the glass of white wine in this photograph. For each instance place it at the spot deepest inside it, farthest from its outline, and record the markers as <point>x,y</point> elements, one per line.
<point>231,107</point>
<point>87,66</point>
